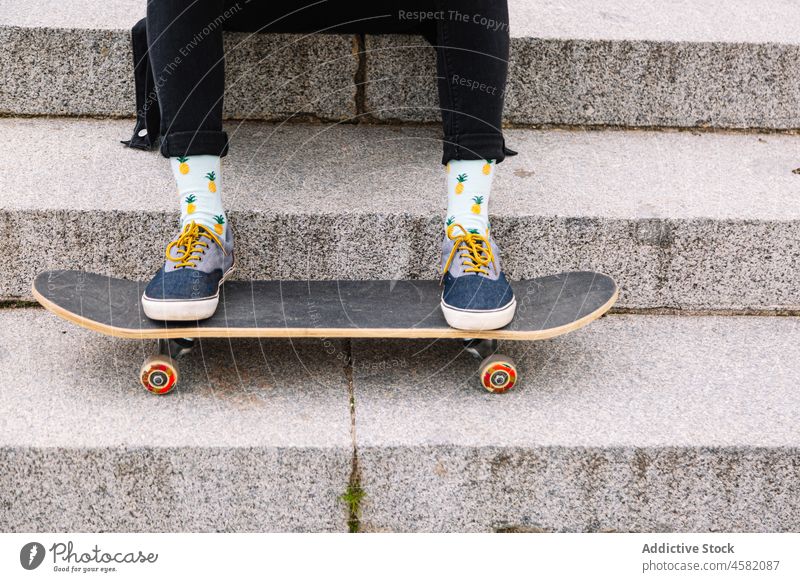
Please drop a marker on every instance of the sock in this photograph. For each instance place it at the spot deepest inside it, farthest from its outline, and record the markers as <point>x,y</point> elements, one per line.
<point>469,183</point>
<point>198,179</point>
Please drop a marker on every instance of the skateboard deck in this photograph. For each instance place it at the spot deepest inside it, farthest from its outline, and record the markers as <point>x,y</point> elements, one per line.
<point>546,307</point>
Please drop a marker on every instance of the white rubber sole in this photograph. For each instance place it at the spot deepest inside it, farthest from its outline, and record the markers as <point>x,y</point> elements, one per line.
<point>479,320</point>
<point>182,309</point>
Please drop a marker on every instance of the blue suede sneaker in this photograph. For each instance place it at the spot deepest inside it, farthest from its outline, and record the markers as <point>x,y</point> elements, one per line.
<point>186,288</point>
<point>476,294</point>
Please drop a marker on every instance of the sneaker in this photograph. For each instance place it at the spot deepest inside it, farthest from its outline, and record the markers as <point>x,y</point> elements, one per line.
<point>476,294</point>
<point>186,288</point>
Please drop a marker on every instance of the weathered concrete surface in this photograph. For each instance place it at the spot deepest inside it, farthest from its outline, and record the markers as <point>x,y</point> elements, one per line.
<point>60,58</point>
<point>255,438</point>
<point>693,221</point>
<point>740,21</point>
<point>636,423</point>
<point>625,62</point>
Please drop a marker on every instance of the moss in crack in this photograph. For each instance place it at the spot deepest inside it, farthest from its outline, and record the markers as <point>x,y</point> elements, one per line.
<point>352,498</point>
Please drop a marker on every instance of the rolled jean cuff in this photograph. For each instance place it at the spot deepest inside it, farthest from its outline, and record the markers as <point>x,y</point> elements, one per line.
<point>194,143</point>
<point>474,146</point>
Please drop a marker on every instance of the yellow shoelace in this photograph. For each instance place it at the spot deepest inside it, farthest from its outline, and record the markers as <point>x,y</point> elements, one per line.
<point>189,240</point>
<point>472,248</point>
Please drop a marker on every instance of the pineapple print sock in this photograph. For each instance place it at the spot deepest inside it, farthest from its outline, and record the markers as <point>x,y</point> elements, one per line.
<point>198,179</point>
<point>469,183</point>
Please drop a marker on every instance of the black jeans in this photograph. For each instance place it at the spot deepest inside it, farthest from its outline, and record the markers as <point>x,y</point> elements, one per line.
<point>471,39</point>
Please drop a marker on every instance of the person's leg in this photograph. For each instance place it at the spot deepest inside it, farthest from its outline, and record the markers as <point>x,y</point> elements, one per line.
<point>186,53</point>
<point>187,60</point>
<point>186,56</point>
<point>471,38</point>
<point>472,45</point>
<point>472,63</point>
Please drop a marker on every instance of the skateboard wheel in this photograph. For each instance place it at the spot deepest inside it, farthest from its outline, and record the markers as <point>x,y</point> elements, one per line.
<point>498,373</point>
<point>159,374</point>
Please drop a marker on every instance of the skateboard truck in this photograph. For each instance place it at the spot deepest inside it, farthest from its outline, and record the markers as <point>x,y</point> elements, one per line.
<point>159,373</point>
<point>498,373</point>
<point>480,348</point>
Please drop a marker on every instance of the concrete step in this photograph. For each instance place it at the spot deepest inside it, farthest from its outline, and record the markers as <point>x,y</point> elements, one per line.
<point>74,58</point>
<point>259,440</point>
<point>696,221</point>
<point>718,63</point>
<point>636,423</point>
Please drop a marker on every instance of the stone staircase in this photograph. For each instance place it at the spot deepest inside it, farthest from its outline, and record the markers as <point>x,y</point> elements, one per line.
<point>657,144</point>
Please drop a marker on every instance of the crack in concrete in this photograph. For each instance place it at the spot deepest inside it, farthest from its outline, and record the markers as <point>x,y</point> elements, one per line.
<point>710,312</point>
<point>360,77</point>
<point>18,304</point>
<point>354,494</point>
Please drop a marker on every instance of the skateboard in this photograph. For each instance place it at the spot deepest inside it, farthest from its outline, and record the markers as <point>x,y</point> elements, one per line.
<point>546,307</point>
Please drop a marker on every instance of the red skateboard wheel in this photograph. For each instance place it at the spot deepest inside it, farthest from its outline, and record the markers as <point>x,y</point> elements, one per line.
<point>159,374</point>
<point>498,374</point>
